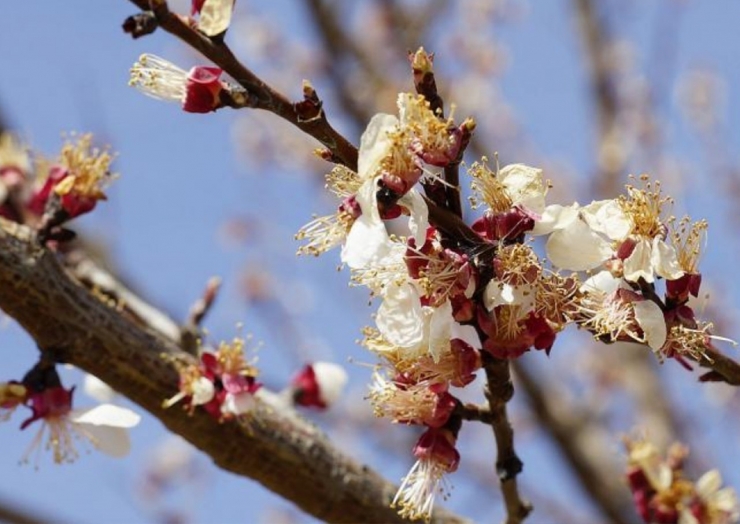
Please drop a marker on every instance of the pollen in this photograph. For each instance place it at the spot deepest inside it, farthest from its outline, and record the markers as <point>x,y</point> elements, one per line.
<point>432,132</point>
<point>342,181</point>
<point>510,322</point>
<point>555,298</point>
<point>407,404</point>
<point>89,169</point>
<point>231,358</point>
<point>608,316</point>
<point>517,265</point>
<point>689,239</point>
<point>644,206</point>
<point>399,160</point>
<point>488,188</point>
<point>324,233</point>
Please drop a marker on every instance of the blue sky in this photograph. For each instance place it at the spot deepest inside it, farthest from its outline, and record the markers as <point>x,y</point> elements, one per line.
<point>66,67</point>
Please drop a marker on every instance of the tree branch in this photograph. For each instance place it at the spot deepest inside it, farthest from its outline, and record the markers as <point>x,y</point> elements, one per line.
<point>581,444</point>
<point>266,97</point>
<point>499,391</point>
<point>281,450</point>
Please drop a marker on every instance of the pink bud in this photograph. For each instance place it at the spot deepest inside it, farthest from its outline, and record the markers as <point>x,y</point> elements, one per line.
<point>442,410</point>
<point>52,402</point>
<point>319,384</point>
<point>438,445</point>
<point>202,89</point>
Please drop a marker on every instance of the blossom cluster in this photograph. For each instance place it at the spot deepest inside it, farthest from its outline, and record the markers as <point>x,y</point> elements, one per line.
<point>449,303</point>
<point>105,426</point>
<point>662,492</point>
<point>221,382</point>
<point>52,191</point>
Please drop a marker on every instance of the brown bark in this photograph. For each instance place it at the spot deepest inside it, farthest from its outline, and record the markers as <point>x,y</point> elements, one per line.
<point>279,449</point>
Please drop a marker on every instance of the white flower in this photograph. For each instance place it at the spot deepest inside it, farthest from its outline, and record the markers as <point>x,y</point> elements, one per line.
<point>608,310</point>
<point>582,237</point>
<point>515,185</point>
<point>721,503</point>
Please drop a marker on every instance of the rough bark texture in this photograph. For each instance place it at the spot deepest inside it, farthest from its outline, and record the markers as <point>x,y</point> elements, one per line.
<point>282,451</point>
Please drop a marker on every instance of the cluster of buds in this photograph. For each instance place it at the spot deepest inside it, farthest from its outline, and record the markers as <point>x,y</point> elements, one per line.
<point>62,189</point>
<point>446,302</point>
<point>222,382</point>
<point>105,426</point>
<point>663,493</point>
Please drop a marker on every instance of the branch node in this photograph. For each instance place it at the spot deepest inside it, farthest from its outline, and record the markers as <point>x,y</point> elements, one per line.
<point>140,24</point>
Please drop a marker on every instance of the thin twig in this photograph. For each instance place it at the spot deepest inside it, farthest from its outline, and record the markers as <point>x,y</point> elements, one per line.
<point>190,331</point>
<point>575,436</point>
<point>499,390</point>
<point>265,96</point>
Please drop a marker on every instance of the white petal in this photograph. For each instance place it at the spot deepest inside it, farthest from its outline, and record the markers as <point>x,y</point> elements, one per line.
<point>465,333</point>
<point>331,379</point>
<point>440,327</point>
<point>98,389</point>
<point>113,441</point>
<point>419,215</point>
<point>368,241</point>
<point>400,317</point>
<point>685,517</point>
<point>203,391</point>
<point>524,186</point>
<point>639,264</point>
<point>374,144</point>
<point>709,483</point>
<point>555,217</point>
<point>577,248</point>
<point>215,16</point>
<point>106,415</point>
<point>601,282</point>
<point>498,294</point>
<point>650,318</point>
<point>607,217</point>
<point>665,260</point>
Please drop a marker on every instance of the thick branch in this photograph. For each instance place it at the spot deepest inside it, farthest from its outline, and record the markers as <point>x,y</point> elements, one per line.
<point>282,451</point>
